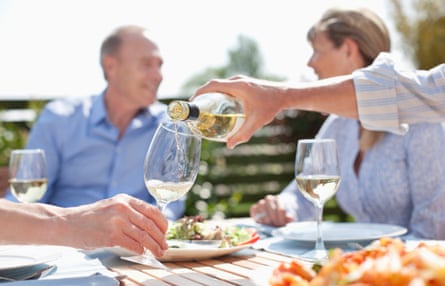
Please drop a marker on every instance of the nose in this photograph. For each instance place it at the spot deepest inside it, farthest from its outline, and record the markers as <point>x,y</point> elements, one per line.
<point>312,61</point>
<point>156,74</point>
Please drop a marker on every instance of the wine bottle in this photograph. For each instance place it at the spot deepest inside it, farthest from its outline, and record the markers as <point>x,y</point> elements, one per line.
<point>213,116</point>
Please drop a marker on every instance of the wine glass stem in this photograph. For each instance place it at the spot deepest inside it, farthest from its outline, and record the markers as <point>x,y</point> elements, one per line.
<point>319,244</point>
<point>161,205</point>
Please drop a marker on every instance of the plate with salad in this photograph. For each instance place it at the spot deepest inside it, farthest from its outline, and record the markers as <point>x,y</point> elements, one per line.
<point>193,238</point>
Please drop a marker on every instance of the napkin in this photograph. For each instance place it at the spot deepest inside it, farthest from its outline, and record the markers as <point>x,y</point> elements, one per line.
<point>71,263</point>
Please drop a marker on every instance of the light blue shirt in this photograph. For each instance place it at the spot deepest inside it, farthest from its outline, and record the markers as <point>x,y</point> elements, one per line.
<point>401,179</point>
<point>86,159</point>
<point>388,97</point>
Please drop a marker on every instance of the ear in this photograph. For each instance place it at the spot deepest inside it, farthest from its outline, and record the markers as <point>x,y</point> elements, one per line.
<point>351,47</point>
<point>109,64</point>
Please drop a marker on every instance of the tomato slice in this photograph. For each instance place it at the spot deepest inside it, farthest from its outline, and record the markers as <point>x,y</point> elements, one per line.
<point>253,237</point>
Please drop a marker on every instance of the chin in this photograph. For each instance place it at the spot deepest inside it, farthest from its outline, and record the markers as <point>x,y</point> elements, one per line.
<point>151,100</point>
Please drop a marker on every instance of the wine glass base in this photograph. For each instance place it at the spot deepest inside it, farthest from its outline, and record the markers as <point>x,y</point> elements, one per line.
<point>315,256</point>
<point>146,259</point>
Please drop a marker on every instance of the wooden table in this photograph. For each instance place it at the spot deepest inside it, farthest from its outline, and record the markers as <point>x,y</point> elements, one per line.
<point>235,269</point>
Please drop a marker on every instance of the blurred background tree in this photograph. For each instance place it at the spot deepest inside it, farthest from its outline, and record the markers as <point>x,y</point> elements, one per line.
<point>245,58</point>
<point>421,24</point>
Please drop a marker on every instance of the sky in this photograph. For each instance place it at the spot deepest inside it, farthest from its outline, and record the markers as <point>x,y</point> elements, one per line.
<point>50,48</point>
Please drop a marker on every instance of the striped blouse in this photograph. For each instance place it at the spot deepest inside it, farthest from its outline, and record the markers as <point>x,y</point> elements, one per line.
<point>390,98</point>
<point>401,179</point>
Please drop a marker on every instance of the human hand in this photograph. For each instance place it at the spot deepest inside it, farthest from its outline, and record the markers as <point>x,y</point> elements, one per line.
<point>119,221</point>
<point>261,100</point>
<point>270,211</point>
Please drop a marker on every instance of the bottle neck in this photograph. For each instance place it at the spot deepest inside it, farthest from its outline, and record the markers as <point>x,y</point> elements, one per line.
<point>182,110</point>
<point>193,111</point>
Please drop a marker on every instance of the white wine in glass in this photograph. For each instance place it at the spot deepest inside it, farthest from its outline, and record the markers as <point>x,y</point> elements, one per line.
<point>27,174</point>
<point>171,165</point>
<point>318,177</point>
<point>172,162</point>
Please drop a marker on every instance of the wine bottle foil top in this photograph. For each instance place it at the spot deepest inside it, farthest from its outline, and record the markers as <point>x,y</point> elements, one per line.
<point>181,110</point>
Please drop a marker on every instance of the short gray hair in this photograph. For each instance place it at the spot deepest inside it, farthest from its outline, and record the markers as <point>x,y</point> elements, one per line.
<point>112,43</point>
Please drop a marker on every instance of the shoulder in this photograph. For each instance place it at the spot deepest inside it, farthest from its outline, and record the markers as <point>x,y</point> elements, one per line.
<point>158,110</point>
<point>336,124</point>
<point>67,107</point>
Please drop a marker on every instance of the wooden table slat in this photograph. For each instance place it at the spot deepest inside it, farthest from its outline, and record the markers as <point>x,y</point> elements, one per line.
<point>217,273</point>
<point>221,271</point>
<point>274,256</point>
<point>199,277</point>
<point>228,267</point>
<point>263,261</point>
<point>138,277</point>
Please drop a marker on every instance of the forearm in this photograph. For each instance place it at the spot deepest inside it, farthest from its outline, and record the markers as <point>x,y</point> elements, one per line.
<point>25,224</point>
<point>334,95</point>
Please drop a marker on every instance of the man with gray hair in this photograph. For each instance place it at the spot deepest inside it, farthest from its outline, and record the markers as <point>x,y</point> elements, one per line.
<point>95,146</point>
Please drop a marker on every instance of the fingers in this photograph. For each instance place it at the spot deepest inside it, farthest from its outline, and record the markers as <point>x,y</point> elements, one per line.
<point>150,212</point>
<point>247,91</point>
<point>242,135</point>
<point>151,227</point>
<point>229,86</point>
<point>138,240</point>
<point>137,225</point>
<point>269,211</point>
<point>210,86</point>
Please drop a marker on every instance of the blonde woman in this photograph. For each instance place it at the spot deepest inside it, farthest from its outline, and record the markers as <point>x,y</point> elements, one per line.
<point>386,178</point>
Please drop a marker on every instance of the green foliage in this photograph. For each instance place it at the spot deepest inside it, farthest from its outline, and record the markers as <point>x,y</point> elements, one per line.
<point>13,135</point>
<point>424,33</point>
<point>245,59</point>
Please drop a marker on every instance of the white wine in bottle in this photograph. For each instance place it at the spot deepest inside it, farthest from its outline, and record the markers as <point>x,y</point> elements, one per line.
<point>213,116</point>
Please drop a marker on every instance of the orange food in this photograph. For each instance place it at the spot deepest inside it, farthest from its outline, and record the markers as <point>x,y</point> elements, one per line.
<point>386,262</point>
<point>291,274</point>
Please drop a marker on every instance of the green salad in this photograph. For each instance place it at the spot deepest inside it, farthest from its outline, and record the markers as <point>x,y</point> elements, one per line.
<point>195,228</point>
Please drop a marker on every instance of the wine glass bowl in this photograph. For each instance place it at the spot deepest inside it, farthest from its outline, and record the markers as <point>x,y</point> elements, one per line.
<point>28,175</point>
<point>318,177</point>
<point>172,162</point>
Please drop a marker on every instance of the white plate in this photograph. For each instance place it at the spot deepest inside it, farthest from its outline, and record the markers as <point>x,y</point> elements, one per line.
<point>342,232</point>
<point>17,256</point>
<point>198,253</point>
<point>191,252</point>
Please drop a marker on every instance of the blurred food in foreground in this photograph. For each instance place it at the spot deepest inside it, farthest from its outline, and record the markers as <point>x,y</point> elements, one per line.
<point>387,261</point>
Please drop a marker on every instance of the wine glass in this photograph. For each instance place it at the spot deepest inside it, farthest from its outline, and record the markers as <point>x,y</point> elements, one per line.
<point>27,174</point>
<point>171,164</point>
<point>318,177</point>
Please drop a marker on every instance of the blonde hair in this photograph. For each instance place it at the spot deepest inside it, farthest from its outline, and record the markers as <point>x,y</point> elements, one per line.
<point>370,33</point>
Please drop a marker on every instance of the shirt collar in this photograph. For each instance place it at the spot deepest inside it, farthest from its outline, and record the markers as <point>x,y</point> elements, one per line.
<point>98,110</point>
<point>145,116</point>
